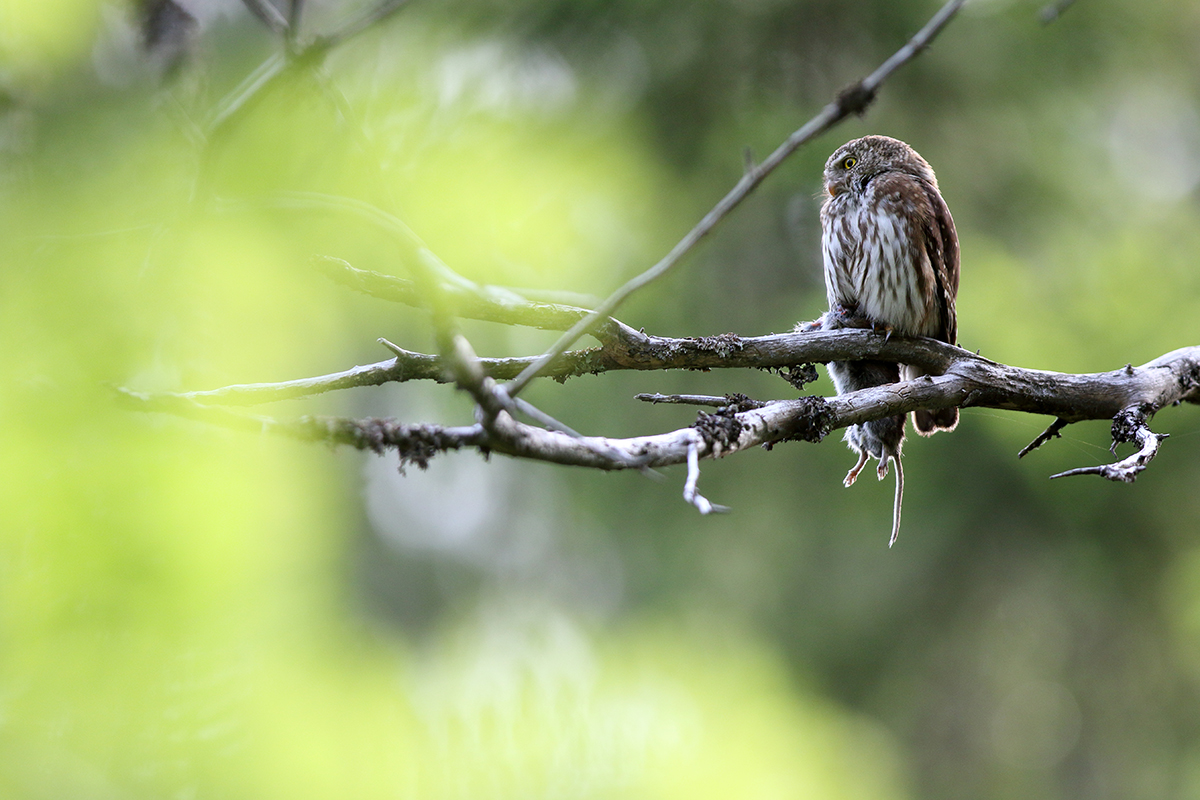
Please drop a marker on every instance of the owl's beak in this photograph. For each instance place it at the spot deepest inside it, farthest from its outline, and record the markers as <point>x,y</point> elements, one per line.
<point>831,189</point>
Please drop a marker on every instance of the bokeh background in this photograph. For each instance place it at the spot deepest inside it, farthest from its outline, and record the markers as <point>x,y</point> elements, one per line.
<point>191,612</point>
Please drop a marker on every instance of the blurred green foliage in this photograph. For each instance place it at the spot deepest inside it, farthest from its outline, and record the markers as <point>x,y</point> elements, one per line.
<point>189,612</point>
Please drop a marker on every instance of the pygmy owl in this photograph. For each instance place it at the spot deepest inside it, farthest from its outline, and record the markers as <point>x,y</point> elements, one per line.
<point>891,262</point>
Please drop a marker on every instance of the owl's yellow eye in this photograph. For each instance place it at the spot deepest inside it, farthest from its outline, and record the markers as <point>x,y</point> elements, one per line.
<point>849,162</point>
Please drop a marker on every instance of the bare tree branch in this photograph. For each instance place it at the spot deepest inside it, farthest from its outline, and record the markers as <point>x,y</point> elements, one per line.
<point>416,444</point>
<point>1069,397</point>
<point>724,401</point>
<point>1052,432</point>
<point>1128,426</point>
<point>631,350</point>
<point>969,381</point>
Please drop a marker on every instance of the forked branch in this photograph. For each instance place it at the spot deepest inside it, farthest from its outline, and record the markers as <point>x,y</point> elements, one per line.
<point>1130,425</point>
<point>1130,395</point>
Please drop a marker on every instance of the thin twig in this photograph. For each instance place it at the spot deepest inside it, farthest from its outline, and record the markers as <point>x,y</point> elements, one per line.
<point>1051,432</point>
<point>415,443</point>
<point>683,399</point>
<point>1130,424</point>
<point>851,101</point>
<point>490,401</point>
<point>535,413</point>
<point>690,494</point>
<point>1127,469</point>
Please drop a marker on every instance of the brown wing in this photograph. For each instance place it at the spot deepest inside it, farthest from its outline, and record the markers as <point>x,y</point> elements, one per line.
<point>941,245</point>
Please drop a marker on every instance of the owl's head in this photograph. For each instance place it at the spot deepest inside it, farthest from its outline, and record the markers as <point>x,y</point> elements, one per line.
<point>854,164</point>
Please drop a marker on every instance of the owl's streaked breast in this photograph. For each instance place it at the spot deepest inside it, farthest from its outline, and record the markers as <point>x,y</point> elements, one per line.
<point>871,261</point>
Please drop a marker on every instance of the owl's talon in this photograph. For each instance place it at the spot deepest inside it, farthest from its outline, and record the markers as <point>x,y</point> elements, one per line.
<point>847,316</point>
<point>852,475</point>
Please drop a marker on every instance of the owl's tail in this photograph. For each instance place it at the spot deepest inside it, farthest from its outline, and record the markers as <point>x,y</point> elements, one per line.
<point>929,422</point>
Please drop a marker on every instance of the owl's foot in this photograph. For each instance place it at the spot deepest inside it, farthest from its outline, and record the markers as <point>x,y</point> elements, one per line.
<point>840,316</point>
<point>852,475</point>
